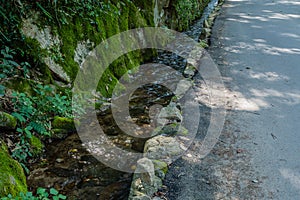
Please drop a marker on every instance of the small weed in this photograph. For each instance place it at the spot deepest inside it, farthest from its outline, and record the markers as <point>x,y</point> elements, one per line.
<point>42,194</point>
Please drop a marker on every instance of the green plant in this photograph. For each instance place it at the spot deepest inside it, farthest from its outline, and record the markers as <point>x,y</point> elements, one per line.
<point>21,152</point>
<point>185,12</point>
<point>38,111</point>
<point>2,87</point>
<point>9,67</point>
<point>35,114</point>
<point>7,64</point>
<point>60,11</point>
<point>188,10</point>
<point>203,44</point>
<point>41,194</point>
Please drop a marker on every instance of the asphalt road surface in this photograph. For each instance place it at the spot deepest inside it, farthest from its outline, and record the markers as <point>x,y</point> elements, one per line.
<point>256,44</point>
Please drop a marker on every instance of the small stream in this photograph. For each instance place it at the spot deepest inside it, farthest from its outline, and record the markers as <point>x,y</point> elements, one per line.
<point>73,171</point>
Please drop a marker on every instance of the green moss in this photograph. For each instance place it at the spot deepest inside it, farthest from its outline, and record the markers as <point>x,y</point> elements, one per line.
<point>7,121</point>
<point>111,25</point>
<point>20,84</point>
<point>68,35</point>
<point>183,131</point>
<point>105,22</point>
<point>36,146</point>
<point>123,19</point>
<point>35,53</point>
<point>137,20</point>
<point>160,165</point>
<point>107,83</point>
<point>95,23</point>
<point>134,59</point>
<point>63,123</point>
<point>12,177</point>
<point>60,133</point>
<point>146,10</point>
<point>182,13</point>
<point>80,29</point>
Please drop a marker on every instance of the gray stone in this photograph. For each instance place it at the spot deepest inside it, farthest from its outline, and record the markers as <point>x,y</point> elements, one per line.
<point>158,11</point>
<point>182,87</point>
<point>82,50</point>
<point>60,133</point>
<point>160,168</point>
<point>43,36</point>
<point>145,183</point>
<point>156,198</point>
<point>47,41</point>
<point>162,148</point>
<point>141,197</point>
<point>169,114</point>
<point>56,68</point>
<point>189,71</point>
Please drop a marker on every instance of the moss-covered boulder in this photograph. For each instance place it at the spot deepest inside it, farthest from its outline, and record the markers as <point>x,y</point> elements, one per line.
<point>59,133</point>
<point>145,182</point>
<point>161,168</point>
<point>36,146</point>
<point>12,177</point>
<point>7,121</point>
<point>64,123</point>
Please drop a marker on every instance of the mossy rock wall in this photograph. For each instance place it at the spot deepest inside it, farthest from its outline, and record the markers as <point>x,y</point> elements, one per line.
<point>180,14</point>
<point>62,44</point>
<point>174,14</point>
<point>65,46</point>
<point>12,177</point>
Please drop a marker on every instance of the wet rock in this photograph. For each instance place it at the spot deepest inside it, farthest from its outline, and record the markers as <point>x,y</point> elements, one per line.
<point>60,133</point>
<point>57,69</point>
<point>64,123</point>
<point>141,197</point>
<point>118,190</point>
<point>7,122</point>
<point>61,172</point>
<point>145,183</point>
<point>12,177</point>
<point>161,168</point>
<point>170,130</point>
<point>190,71</point>
<point>169,114</point>
<point>162,148</point>
<point>182,87</point>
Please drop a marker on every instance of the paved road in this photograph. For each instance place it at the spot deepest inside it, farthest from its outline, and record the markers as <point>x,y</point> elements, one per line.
<point>257,46</point>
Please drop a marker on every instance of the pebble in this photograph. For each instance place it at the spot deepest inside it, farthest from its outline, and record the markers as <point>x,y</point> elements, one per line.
<point>255,181</point>
<point>189,155</point>
<point>59,160</point>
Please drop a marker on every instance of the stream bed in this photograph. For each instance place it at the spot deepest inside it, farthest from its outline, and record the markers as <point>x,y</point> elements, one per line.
<point>74,172</point>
